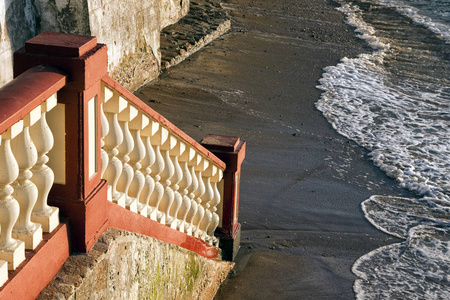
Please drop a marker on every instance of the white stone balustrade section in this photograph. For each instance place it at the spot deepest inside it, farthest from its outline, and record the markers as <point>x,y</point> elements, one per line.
<point>152,171</point>
<point>188,227</point>
<point>155,198</point>
<point>106,95</point>
<point>199,169</point>
<point>113,105</point>
<point>43,177</point>
<point>125,148</point>
<point>147,162</point>
<point>175,153</point>
<point>25,182</point>
<point>215,181</point>
<point>11,250</point>
<point>136,156</point>
<point>166,176</point>
<point>207,197</point>
<point>184,184</point>
<point>25,191</point>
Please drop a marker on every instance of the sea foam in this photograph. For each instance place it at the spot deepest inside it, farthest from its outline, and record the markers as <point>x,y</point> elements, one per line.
<point>402,117</point>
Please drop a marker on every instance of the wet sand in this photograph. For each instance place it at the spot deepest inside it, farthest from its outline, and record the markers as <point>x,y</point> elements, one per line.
<point>302,183</point>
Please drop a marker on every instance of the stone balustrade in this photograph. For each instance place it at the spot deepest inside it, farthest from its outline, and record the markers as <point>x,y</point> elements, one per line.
<point>102,158</point>
<point>25,177</point>
<point>153,171</point>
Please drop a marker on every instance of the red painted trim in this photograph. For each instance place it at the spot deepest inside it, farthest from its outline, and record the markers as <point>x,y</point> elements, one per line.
<point>88,218</point>
<point>89,184</point>
<point>60,44</point>
<point>159,118</point>
<point>26,92</point>
<point>224,143</point>
<point>231,177</point>
<point>124,219</point>
<point>84,70</point>
<point>96,215</point>
<point>73,188</point>
<point>40,266</point>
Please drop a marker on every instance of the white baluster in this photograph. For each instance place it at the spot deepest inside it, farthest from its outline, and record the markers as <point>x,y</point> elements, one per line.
<point>25,191</point>
<point>175,153</point>
<point>136,156</point>
<point>155,198</point>
<point>11,250</point>
<point>189,227</point>
<point>207,197</point>
<point>112,140</point>
<point>107,94</point>
<point>147,162</point>
<point>213,206</point>
<point>166,175</point>
<point>43,177</point>
<point>199,193</point>
<point>185,184</point>
<point>125,149</point>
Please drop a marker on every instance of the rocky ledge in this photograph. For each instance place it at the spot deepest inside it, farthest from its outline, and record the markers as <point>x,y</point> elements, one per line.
<point>205,22</point>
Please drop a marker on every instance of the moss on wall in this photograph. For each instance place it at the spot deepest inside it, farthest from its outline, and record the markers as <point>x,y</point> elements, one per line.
<point>124,265</point>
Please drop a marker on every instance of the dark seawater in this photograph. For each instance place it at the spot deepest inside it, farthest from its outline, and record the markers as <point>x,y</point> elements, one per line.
<point>395,101</point>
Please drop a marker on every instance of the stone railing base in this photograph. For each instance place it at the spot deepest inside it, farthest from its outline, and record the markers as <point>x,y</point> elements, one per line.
<point>123,263</point>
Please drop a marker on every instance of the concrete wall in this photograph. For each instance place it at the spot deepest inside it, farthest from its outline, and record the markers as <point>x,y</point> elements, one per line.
<point>124,265</point>
<point>130,28</point>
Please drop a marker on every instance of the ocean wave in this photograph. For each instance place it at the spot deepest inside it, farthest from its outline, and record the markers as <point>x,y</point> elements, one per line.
<point>404,133</point>
<point>419,17</point>
<point>366,32</point>
<point>403,122</point>
<point>392,272</point>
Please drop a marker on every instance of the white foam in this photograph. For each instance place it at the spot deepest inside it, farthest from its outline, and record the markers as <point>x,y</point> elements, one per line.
<point>407,135</point>
<point>405,126</point>
<point>418,16</point>
<point>396,215</point>
<point>365,31</point>
<point>392,272</point>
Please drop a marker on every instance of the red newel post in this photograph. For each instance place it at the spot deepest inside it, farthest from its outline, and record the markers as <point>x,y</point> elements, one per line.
<point>79,191</point>
<point>231,150</point>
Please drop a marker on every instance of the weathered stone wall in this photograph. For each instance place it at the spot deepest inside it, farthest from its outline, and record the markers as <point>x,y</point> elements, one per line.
<point>124,265</point>
<point>130,28</point>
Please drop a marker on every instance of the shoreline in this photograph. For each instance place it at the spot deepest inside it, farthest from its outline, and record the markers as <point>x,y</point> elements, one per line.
<point>302,183</point>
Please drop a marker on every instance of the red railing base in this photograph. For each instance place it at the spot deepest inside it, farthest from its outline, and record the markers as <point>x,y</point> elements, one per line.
<point>40,266</point>
<point>124,219</point>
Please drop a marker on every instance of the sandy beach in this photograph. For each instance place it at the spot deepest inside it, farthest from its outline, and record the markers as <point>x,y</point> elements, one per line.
<point>302,183</point>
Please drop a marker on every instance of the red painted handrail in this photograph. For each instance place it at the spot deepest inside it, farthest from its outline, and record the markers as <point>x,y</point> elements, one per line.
<point>26,92</point>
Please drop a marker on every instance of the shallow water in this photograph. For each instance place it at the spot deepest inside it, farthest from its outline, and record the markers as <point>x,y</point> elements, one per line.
<point>395,101</point>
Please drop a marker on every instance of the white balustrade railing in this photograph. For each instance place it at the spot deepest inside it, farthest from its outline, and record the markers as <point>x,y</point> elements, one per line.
<point>25,181</point>
<point>152,171</point>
